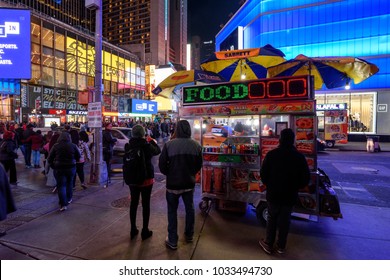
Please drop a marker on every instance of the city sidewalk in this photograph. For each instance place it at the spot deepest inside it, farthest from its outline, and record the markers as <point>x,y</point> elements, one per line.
<point>96,227</point>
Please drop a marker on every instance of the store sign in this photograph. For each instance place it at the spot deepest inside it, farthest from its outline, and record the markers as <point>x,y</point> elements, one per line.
<point>335,106</point>
<point>143,106</point>
<point>74,112</point>
<point>15,60</point>
<point>265,89</point>
<point>57,112</point>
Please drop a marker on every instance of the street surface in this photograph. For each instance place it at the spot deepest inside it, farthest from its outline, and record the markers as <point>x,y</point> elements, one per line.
<point>96,224</point>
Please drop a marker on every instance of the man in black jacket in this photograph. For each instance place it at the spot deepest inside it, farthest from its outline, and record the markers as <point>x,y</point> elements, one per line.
<point>180,160</point>
<point>284,171</point>
<point>62,158</point>
<point>108,148</point>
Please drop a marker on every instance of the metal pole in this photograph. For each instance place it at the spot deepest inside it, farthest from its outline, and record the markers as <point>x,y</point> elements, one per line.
<point>99,168</point>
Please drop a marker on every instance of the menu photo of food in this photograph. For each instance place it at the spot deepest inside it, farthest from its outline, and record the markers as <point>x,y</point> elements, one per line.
<point>305,147</point>
<point>304,122</point>
<point>239,179</point>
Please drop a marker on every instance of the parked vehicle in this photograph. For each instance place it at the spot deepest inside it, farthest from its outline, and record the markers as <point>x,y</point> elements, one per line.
<point>123,134</point>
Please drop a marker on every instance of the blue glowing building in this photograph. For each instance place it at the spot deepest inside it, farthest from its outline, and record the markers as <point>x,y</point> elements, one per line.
<point>357,28</point>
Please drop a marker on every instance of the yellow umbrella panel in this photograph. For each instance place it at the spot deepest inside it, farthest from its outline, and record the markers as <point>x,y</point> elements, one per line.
<point>333,72</point>
<point>246,64</point>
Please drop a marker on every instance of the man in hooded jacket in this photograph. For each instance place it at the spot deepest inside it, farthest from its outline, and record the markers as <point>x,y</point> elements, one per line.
<point>180,160</point>
<point>62,158</point>
<point>284,171</point>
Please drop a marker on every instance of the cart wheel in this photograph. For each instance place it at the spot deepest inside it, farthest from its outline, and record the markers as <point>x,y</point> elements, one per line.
<point>204,206</point>
<point>330,144</point>
<point>262,213</point>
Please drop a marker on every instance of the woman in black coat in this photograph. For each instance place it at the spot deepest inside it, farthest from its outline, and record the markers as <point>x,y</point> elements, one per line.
<point>150,149</point>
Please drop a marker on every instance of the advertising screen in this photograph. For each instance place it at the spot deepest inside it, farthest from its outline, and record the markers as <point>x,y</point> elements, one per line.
<point>15,46</point>
<point>143,106</point>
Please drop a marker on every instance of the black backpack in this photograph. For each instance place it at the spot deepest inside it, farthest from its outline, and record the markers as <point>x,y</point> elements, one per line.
<point>134,167</point>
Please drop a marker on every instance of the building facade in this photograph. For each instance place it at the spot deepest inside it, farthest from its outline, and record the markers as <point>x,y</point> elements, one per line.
<point>62,76</point>
<point>356,28</point>
<point>155,29</point>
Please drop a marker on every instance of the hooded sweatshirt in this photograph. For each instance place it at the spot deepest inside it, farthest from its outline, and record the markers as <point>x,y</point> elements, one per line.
<point>181,158</point>
<point>64,154</point>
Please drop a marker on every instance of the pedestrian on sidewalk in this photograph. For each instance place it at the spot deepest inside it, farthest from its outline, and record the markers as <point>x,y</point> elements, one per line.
<point>37,141</point>
<point>284,171</point>
<point>148,148</point>
<point>7,204</point>
<point>27,145</point>
<point>108,148</point>
<point>180,160</point>
<point>85,155</point>
<point>8,155</point>
<point>62,158</point>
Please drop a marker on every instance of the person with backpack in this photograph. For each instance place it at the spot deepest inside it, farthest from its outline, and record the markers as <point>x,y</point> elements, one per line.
<point>138,174</point>
<point>180,160</point>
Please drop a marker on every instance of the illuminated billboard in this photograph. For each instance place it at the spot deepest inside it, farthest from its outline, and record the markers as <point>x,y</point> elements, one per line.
<point>15,44</point>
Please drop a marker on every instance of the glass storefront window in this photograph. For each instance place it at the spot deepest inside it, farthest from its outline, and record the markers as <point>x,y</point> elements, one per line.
<point>35,53</point>
<point>60,42</point>
<point>60,60</point>
<point>48,57</point>
<point>47,77</point>
<point>60,78</point>
<point>71,80</point>
<point>35,73</point>
<point>82,82</point>
<point>360,106</point>
<point>71,63</point>
<point>35,33</point>
<point>47,37</point>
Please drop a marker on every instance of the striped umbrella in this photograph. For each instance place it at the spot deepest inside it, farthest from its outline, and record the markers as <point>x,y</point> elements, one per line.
<point>174,82</point>
<point>246,64</point>
<point>333,72</point>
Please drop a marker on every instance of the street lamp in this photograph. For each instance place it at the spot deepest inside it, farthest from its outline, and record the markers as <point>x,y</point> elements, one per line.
<point>99,170</point>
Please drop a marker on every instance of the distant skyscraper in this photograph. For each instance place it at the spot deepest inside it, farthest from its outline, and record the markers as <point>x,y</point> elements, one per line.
<point>157,28</point>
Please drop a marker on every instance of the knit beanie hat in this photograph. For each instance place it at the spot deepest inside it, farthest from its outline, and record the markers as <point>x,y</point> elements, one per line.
<point>138,131</point>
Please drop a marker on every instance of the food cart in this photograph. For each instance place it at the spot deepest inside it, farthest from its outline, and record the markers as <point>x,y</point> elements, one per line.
<point>333,123</point>
<point>237,123</point>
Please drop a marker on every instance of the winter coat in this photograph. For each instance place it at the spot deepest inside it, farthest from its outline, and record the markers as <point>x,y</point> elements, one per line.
<point>150,149</point>
<point>7,204</point>
<point>181,159</point>
<point>36,141</point>
<point>8,150</point>
<point>284,171</point>
<point>64,154</point>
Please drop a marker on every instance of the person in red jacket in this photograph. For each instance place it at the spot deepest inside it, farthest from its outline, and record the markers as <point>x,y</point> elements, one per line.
<point>37,142</point>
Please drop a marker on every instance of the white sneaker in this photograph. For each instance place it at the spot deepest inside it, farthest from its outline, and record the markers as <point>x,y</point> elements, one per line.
<point>63,208</point>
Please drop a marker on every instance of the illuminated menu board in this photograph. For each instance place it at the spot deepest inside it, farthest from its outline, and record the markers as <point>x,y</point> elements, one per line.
<point>15,44</point>
<point>284,88</point>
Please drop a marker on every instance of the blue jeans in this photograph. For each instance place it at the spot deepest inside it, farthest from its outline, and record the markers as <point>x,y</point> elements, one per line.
<point>64,178</point>
<point>279,217</point>
<point>173,203</point>
<point>36,157</point>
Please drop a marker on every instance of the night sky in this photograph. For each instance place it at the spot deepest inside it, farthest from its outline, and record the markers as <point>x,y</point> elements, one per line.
<point>206,16</point>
